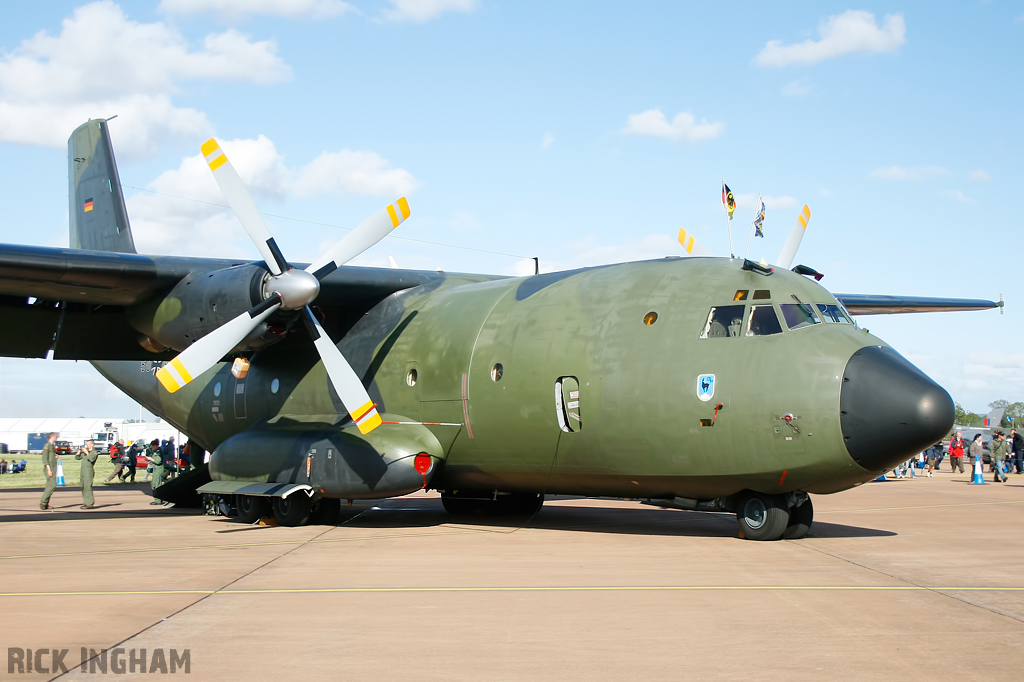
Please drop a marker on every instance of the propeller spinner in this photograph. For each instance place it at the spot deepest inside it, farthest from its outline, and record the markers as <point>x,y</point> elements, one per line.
<point>287,289</point>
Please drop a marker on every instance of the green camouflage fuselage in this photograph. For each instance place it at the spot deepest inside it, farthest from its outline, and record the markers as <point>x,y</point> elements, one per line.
<point>572,344</point>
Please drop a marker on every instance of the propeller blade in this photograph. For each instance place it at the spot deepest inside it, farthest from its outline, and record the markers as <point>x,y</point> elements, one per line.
<point>793,241</point>
<point>368,233</point>
<point>207,351</point>
<point>346,383</point>
<point>691,245</point>
<point>241,203</point>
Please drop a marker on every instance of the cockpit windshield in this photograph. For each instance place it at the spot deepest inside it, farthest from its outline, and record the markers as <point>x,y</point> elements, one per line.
<point>763,321</point>
<point>798,315</point>
<point>834,313</point>
<point>723,321</point>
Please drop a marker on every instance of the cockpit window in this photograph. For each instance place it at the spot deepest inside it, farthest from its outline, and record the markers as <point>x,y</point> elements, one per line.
<point>834,313</point>
<point>798,315</point>
<point>763,321</point>
<point>723,321</point>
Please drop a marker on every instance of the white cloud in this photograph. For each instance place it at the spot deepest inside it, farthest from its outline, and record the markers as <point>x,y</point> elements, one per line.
<point>237,9</point>
<point>796,88</point>
<point>162,222</point>
<point>904,174</point>
<point>958,196</point>
<point>846,33</point>
<point>546,141</point>
<point>984,370</point>
<point>980,176</point>
<point>684,126</point>
<point>423,10</point>
<point>352,172</point>
<point>103,63</point>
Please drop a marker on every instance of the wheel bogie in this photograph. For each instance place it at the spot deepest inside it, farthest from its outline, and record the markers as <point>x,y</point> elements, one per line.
<point>293,510</point>
<point>251,508</point>
<point>801,516</point>
<point>762,516</point>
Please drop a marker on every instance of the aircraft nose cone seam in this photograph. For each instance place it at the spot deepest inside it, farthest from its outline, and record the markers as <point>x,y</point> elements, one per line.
<point>889,409</point>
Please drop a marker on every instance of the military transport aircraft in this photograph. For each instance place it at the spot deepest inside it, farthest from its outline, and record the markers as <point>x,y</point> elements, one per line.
<point>703,383</point>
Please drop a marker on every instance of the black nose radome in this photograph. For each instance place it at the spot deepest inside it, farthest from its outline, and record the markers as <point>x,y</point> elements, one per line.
<point>889,409</point>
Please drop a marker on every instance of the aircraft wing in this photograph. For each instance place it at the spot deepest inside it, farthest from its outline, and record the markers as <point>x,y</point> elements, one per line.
<point>872,304</point>
<point>74,301</point>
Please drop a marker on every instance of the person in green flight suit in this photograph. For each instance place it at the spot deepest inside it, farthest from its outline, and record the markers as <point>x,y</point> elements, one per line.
<point>50,465</point>
<point>88,455</point>
<point>157,460</point>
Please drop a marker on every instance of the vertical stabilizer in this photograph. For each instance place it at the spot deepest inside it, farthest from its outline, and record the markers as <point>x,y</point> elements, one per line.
<point>99,219</point>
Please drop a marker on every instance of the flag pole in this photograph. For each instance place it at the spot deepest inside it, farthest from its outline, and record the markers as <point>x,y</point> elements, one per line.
<point>728,220</point>
<point>757,211</point>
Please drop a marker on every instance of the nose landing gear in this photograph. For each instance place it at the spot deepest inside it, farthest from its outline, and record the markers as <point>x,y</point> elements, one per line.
<point>773,517</point>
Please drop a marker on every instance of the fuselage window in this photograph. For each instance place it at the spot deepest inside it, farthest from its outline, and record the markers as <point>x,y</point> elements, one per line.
<point>834,313</point>
<point>723,321</point>
<point>763,321</point>
<point>761,294</point>
<point>798,315</point>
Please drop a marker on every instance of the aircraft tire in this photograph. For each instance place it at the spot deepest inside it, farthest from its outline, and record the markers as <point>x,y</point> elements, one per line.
<point>293,510</point>
<point>251,508</point>
<point>762,517</point>
<point>800,520</point>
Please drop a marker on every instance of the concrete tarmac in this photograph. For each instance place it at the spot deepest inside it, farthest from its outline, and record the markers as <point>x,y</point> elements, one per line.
<point>911,579</point>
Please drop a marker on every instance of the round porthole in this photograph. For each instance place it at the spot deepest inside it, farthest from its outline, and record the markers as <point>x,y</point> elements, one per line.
<point>650,318</point>
<point>216,390</point>
<point>275,385</point>
<point>410,378</point>
<point>497,371</point>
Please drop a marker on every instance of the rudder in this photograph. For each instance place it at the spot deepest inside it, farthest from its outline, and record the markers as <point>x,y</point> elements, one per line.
<point>98,217</point>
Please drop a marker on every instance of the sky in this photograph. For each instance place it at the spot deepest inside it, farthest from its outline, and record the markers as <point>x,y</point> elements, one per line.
<point>580,133</point>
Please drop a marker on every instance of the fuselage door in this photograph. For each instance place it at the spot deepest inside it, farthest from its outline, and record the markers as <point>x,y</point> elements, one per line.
<point>567,404</point>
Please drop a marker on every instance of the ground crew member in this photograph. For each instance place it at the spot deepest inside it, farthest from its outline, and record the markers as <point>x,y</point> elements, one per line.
<point>88,455</point>
<point>50,466</point>
<point>155,458</point>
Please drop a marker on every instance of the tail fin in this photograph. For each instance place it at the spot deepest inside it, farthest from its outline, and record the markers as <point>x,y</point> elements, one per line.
<point>99,219</point>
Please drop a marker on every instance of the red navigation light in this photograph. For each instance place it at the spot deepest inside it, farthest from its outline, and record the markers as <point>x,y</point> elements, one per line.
<point>788,418</point>
<point>422,463</point>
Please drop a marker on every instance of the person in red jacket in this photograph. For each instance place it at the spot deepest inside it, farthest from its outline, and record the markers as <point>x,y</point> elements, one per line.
<point>956,452</point>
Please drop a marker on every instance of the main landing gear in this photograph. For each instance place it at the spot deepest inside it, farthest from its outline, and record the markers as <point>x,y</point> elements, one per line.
<point>773,517</point>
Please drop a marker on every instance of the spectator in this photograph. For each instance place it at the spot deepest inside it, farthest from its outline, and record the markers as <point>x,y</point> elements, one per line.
<point>933,455</point>
<point>999,449</point>
<point>1017,448</point>
<point>117,457</point>
<point>956,453</point>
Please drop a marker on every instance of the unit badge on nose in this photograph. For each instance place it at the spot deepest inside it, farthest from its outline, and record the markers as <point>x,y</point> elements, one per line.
<point>706,387</point>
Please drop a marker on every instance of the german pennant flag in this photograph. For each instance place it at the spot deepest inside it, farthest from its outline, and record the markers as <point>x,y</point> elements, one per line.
<point>727,199</point>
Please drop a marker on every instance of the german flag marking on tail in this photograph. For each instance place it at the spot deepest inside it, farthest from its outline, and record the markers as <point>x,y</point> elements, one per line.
<point>88,205</point>
<point>213,154</point>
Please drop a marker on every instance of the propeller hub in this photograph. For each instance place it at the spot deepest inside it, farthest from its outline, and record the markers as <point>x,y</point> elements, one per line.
<point>297,288</point>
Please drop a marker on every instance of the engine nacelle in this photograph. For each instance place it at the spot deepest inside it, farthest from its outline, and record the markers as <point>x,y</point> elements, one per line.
<point>202,302</point>
<point>391,460</point>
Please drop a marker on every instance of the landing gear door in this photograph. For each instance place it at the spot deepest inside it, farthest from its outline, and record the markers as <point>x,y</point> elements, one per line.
<point>567,404</point>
